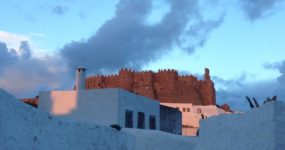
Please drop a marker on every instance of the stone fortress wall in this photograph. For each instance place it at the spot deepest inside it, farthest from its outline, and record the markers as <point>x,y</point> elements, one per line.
<point>165,86</point>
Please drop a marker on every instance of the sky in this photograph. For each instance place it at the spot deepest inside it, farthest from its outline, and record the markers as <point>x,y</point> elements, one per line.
<point>240,41</point>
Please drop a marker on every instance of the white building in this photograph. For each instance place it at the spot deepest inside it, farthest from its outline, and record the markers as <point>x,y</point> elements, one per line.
<point>192,114</point>
<point>102,106</point>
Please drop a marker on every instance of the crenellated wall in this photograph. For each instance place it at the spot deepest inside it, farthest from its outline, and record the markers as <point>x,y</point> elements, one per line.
<point>165,85</point>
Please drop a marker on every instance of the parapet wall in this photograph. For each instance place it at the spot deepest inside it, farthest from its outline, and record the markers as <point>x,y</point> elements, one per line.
<point>165,85</point>
<point>261,128</point>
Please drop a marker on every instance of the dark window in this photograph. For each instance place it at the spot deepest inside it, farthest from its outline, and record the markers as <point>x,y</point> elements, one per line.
<point>203,117</point>
<point>188,109</point>
<point>129,119</point>
<point>199,111</point>
<point>184,109</point>
<point>141,121</point>
<point>152,124</point>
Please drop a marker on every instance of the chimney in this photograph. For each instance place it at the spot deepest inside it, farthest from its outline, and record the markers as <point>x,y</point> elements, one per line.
<point>80,78</point>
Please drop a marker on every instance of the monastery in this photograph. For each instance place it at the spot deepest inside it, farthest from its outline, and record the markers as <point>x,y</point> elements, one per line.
<point>165,86</point>
<point>147,100</point>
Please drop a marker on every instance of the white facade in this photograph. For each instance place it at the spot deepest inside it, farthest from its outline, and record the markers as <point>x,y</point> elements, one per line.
<point>100,106</point>
<point>192,114</point>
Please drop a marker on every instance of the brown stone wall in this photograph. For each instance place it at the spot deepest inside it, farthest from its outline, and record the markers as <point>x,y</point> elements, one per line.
<point>144,84</point>
<point>165,85</point>
<point>31,101</point>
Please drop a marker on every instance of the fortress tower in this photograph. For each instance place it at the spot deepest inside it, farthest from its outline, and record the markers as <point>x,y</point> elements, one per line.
<point>126,79</point>
<point>144,84</point>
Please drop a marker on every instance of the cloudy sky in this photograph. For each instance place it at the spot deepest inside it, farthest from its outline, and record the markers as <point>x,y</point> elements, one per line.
<point>240,41</point>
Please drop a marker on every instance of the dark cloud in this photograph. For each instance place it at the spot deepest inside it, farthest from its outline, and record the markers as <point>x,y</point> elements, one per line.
<point>59,10</point>
<point>234,91</point>
<point>281,79</point>
<point>255,9</point>
<point>234,94</point>
<point>25,50</point>
<point>6,56</point>
<point>24,76</point>
<point>127,40</point>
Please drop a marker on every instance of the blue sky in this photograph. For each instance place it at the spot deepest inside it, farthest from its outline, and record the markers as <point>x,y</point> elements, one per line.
<point>241,41</point>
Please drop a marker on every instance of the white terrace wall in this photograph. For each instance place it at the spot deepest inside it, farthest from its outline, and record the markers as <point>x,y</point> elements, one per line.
<point>23,127</point>
<point>92,106</point>
<point>259,129</point>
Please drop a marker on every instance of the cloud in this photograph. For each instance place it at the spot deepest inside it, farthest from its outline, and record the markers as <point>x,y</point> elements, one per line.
<point>12,40</point>
<point>281,79</point>
<point>59,10</point>
<point>127,40</point>
<point>25,50</point>
<point>23,75</point>
<point>6,56</point>
<point>234,91</point>
<point>255,9</point>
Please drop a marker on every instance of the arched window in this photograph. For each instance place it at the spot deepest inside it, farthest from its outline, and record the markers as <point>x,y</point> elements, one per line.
<point>199,111</point>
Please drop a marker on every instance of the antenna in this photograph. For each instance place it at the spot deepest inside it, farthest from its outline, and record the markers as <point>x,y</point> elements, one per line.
<point>249,101</point>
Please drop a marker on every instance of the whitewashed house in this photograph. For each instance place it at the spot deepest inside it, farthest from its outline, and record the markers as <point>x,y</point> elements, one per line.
<point>102,106</point>
<point>193,114</point>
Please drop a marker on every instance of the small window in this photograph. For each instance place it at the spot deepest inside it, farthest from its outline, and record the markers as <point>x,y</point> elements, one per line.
<point>188,109</point>
<point>129,119</point>
<point>141,120</point>
<point>152,124</point>
<point>184,109</point>
<point>199,111</point>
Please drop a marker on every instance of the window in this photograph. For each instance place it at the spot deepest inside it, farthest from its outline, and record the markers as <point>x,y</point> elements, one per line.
<point>199,111</point>
<point>129,119</point>
<point>188,109</point>
<point>184,109</point>
<point>152,124</point>
<point>141,121</point>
